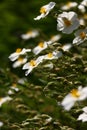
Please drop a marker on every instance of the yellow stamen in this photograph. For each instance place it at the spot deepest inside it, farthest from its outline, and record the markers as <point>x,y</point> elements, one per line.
<point>68,4</point>
<point>50,55</point>
<point>1,99</point>
<point>41,44</point>
<point>82,35</point>
<point>29,32</point>
<point>67,22</point>
<point>85,16</point>
<point>32,63</point>
<point>43,10</point>
<point>75,93</point>
<point>18,50</point>
<point>14,85</point>
<point>20,59</point>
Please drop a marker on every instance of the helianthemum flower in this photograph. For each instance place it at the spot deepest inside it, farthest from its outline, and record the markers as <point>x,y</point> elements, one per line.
<point>83,116</point>
<point>54,38</point>
<point>82,6</point>
<point>66,47</point>
<point>75,95</point>
<point>30,34</point>
<point>32,64</point>
<point>44,10</point>
<point>41,46</point>
<point>53,55</point>
<point>18,52</point>
<point>20,61</point>
<point>69,5</point>
<point>81,36</point>
<point>67,22</point>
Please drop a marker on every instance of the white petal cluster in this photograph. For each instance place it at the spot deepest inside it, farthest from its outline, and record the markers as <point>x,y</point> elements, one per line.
<point>18,53</point>
<point>69,5</point>
<point>75,95</point>
<point>4,99</point>
<point>30,34</point>
<point>81,36</point>
<point>32,64</point>
<point>67,22</point>
<point>19,62</point>
<point>82,6</point>
<point>45,10</point>
<point>83,116</point>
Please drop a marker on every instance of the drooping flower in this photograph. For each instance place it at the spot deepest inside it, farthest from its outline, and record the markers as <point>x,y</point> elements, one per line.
<point>41,46</point>
<point>81,36</point>
<point>75,95</point>
<point>54,38</point>
<point>4,99</point>
<point>69,5</point>
<point>30,34</point>
<point>66,47</point>
<point>67,22</point>
<point>53,55</point>
<point>18,52</point>
<point>32,64</point>
<point>83,116</point>
<point>82,6</point>
<point>44,10</point>
<point>19,62</point>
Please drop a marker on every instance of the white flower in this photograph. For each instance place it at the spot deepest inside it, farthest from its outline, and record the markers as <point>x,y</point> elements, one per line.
<point>69,5</point>
<point>75,95</point>
<point>83,116</point>
<point>41,46</point>
<point>84,2</point>
<point>82,8</point>
<point>67,22</point>
<point>14,87</point>
<point>66,47</point>
<point>4,99</point>
<point>18,52</point>
<point>53,55</point>
<point>30,34</point>
<point>32,64</point>
<point>82,21</point>
<point>81,36</point>
<point>19,62</point>
<point>44,10</point>
<point>1,123</point>
<point>55,38</point>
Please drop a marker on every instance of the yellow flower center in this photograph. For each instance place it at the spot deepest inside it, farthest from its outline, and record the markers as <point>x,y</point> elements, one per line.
<point>82,35</point>
<point>41,44</point>
<point>18,50</point>
<point>20,59</point>
<point>32,63</point>
<point>29,32</point>
<point>85,16</point>
<point>50,55</point>
<point>14,85</point>
<point>68,4</point>
<point>67,22</point>
<point>43,10</point>
<point>1,99</point>
<point>75,93</point>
